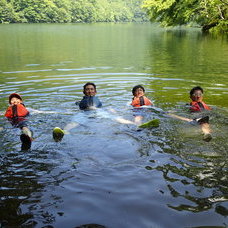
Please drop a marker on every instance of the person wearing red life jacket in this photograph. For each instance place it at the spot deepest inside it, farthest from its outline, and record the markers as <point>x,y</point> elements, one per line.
<point>16,113</point>
<point>197,105</point>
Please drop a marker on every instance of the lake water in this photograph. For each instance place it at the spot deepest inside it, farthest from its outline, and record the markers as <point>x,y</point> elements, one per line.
<point>104,172</point>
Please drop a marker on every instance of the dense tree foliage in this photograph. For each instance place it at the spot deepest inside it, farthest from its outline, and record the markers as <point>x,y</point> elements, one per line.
<point>210,14</point>
<point>62,11</point>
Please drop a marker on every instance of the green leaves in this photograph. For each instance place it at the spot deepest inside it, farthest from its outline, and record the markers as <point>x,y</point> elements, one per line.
<point>60,11</point>
<point>206,13</point>
<point>7,13</point>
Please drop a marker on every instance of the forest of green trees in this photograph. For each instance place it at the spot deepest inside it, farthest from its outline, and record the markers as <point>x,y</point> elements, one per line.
<point>65,11</point>
<point>209,14</point>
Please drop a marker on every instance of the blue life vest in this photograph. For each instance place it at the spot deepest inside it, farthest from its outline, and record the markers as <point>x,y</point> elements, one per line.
<point>89,102</point>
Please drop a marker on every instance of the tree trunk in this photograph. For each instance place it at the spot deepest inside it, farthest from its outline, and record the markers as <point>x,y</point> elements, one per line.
<point>206,28</point>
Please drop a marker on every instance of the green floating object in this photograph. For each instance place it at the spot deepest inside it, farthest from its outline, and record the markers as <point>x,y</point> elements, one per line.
<point>150,124</point>
<point>58,134</point>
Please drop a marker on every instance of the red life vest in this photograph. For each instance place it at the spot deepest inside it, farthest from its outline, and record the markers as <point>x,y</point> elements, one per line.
<point>140,101</point>
<point>16,111</point>
<point>198,106</point>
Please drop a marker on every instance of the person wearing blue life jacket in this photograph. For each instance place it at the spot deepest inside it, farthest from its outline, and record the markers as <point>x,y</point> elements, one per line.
<point>89,101</point>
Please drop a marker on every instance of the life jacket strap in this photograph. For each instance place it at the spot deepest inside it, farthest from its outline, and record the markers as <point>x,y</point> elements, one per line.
<point>141,100</point>
<point>201,105</point>
<point>14,111</point>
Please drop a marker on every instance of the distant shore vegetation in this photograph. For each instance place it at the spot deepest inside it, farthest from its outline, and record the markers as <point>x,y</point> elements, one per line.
<point>210,15</point>
<point>71,11</point>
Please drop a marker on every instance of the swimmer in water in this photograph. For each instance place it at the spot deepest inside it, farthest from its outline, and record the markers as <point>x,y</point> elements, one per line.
<point>17,114</point>
<point>88,102</point>
<point>198,105</point>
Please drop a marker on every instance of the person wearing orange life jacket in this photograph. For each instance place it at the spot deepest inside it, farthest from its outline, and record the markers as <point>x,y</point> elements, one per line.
<point>139,98</point>
<point>16,108</point>
<point>16,114</point>
<point>138,102</point>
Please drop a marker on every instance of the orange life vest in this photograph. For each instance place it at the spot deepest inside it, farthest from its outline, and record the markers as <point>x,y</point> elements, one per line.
<point>140,101</point>
<point>18,110</point>
<point>198,106</point>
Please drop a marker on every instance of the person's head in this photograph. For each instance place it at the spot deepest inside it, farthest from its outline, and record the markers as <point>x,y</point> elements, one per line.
<point>196,94</point>
<point>89,89</point>
<point>138,91</point>
<point>15,99</point>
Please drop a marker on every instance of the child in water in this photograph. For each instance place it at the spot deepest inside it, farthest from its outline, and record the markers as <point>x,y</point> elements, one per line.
<point>89,102</point>
<point>139,98</point>
<point>16,114</point>
<point>197,105</point>
<point>139,101</point>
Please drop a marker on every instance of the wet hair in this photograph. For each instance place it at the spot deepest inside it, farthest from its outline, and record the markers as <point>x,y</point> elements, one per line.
<point>192,91</point>
<point>137,87</point>
<point>14,95</point>
<point>87,84</point>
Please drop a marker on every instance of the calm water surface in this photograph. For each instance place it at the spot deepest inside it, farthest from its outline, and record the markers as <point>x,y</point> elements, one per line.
<point>104,172</point>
